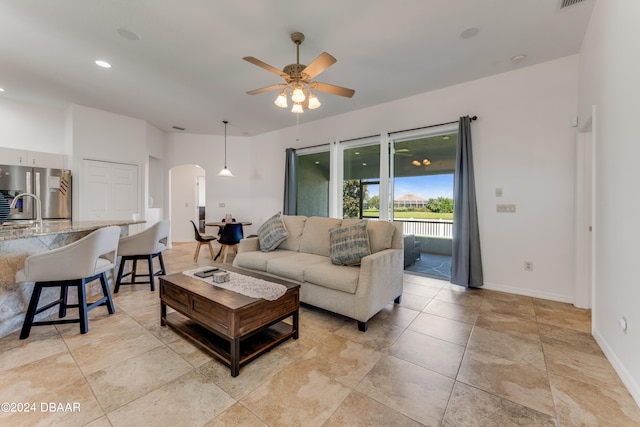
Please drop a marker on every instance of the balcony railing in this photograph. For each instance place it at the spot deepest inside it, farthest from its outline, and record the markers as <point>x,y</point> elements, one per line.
<point>427,227</point>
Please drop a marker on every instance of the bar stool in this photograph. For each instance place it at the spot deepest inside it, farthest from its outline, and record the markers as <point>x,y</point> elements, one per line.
<point>76,264</point>
<point>145,245</point>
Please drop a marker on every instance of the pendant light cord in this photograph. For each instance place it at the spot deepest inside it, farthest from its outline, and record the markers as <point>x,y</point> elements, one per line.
<point>225,143</point>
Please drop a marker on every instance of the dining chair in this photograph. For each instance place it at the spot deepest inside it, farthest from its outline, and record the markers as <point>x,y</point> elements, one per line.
<point>76,264</point>
<point>146,245</point>
<point>230,237</point>
<point>202,240</point>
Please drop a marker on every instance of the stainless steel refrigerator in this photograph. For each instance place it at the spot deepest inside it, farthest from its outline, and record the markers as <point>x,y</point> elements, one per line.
<point>52,186</point>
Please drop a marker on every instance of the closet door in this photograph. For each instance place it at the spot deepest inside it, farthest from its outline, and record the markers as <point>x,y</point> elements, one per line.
<point>109,191</point>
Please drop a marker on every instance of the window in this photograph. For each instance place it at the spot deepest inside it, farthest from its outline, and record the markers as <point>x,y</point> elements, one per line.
<point>313,183</point>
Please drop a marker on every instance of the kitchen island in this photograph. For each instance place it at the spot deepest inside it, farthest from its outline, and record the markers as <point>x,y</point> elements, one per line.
<point>17,242</point>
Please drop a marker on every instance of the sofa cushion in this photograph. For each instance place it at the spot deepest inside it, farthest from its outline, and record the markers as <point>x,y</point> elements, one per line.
<point>331,276</point>
<point>256,260</point>
<point>349,244</point>
<point>380,235</point>
<point>295,226</point>
<point>315,237</point>
<point>272,233</point>
<point>293,266</point>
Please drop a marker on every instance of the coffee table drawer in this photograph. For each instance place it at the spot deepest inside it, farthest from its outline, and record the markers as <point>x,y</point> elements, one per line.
<point>212,315</point>
<point>268,311</point>
<point>175,297</point>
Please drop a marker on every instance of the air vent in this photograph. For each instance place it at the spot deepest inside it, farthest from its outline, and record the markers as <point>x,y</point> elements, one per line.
<point>569,3</point>
<point>178,128</point>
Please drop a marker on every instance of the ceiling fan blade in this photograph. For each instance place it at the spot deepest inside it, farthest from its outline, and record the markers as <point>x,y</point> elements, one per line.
<point>333,89</point>
<point>267,89</point>
<point>266,66</point>
<point>318,65</point>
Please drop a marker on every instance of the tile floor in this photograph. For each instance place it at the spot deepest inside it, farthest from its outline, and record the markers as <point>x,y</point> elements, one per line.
<point>445,356</point>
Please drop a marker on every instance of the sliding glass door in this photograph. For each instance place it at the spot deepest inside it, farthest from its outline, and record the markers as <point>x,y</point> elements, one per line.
<point>361,180</point>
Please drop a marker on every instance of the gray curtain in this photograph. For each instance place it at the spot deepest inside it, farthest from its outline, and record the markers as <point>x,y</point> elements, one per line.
<point>466,261</point>
<point>290,186</point>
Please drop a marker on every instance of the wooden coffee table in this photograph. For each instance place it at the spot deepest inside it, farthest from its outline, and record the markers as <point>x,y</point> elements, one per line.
<point>233,327</point>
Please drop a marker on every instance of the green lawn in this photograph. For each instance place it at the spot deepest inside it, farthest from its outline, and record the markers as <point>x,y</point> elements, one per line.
<point>414,215</point>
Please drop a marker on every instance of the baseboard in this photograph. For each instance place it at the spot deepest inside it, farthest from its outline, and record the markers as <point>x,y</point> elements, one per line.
<point>529,293</point>
<point>618,366</point>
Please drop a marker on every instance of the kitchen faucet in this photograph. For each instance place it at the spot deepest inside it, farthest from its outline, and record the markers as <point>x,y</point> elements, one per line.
<point>38,206</point>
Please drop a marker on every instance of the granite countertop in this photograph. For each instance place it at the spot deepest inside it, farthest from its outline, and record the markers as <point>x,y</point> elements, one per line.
<point>20,230</point>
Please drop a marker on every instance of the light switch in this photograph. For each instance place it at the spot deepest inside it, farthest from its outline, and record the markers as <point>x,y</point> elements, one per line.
<point>498,192</point>
<point>222,205</point>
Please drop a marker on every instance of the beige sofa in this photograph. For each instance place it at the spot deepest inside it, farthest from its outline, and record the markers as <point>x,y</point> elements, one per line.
<point>358,292</point>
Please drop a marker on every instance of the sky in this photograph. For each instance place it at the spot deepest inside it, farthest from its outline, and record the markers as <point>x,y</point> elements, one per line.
<point>427,187</point>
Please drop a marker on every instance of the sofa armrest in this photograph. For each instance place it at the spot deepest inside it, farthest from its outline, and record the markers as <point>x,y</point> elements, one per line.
<point>380,281</point>
<point>249,244</point>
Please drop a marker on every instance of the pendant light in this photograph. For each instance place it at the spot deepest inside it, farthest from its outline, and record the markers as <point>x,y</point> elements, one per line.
<point>225,171</point>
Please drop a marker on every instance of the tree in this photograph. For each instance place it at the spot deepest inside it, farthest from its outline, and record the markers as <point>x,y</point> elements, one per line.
<point>351,198</point>
<point>440,205</point>
<point>374,202</point>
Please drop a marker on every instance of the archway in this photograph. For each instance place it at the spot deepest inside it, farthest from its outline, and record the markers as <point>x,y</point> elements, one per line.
<point>185,199</point>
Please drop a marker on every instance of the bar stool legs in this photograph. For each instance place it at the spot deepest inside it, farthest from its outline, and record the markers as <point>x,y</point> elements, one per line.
<point>83,307</point>
<point>133,273</point>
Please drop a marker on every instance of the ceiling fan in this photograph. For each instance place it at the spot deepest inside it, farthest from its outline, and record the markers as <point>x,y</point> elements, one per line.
<point>298,80</point>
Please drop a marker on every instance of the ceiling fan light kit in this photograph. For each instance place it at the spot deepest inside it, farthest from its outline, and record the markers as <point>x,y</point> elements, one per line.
<point>298,80</point>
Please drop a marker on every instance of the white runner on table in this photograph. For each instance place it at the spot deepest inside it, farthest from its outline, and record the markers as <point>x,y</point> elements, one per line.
<point>245,285</point>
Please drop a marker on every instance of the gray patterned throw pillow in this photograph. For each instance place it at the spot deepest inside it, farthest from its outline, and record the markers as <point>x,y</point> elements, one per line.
<point>349,244</point>
<point>272,233</point>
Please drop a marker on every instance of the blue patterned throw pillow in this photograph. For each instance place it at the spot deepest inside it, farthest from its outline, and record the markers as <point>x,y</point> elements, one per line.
<point>349,244</point>
<point>272,233</point>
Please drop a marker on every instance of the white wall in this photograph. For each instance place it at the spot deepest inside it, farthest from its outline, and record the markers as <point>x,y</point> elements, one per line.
<point>32,127</point>
<point>523,142</point>
<point>609,70</point>
<point>184,206</point>
<point>100,135</point>
<point>207,151</point>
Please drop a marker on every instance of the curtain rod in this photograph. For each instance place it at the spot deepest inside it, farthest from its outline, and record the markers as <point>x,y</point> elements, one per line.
<point>432,126</point>
<point>362,137</point>
<point>312,146</point>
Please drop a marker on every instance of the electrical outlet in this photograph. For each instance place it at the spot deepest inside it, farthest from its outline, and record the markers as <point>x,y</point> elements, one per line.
<point>498,192</point>
<point>528,266</point>
<point>222,205</point>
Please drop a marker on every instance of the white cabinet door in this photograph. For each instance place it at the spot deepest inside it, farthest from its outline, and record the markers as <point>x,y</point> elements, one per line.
<point>13,156</point>
<point>109,191</point>
<point>45,160</point>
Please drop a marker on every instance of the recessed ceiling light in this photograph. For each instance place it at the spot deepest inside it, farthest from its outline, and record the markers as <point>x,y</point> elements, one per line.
<point>357,152</point>
<point>1,89</point>
<point>317,163</point>
<point>128,34</point>
<point>103,64</point>
<point>364,164</point>
<point>469,32</point>
<point>518,58</point>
